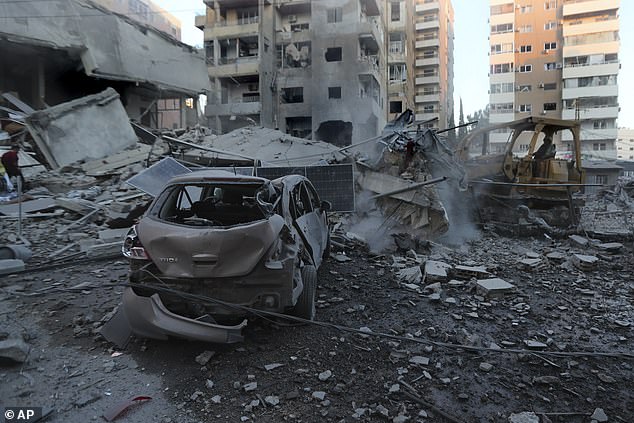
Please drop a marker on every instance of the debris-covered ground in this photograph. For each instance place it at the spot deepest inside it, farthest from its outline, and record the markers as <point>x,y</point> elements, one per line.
<point>445,354</point>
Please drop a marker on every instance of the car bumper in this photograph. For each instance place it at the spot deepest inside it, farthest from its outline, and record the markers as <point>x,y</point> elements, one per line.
<point>149,318</point>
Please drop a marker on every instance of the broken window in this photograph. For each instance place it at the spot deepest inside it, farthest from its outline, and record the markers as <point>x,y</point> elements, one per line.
<point>524,108</point>
<point>396,107</point>
<point>300,27</point>
<point>396,11</point>
<point>550,86</point>
<point>550,66</point>
<point>397,73</point>
<point>293,55</point>
<point>550,106</point>
<point>334,92</point>
<point>334,54</point>
<point>336,132</point>
<point>524,88</point>
<point>299,126</point>
<point>335,14</point>
<point>293,95</point>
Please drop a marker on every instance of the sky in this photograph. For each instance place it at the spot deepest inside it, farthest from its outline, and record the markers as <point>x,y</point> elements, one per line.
<point>471,82</point>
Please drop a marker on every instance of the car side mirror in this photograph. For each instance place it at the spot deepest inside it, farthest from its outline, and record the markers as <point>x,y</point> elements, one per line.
<point>325,205</point>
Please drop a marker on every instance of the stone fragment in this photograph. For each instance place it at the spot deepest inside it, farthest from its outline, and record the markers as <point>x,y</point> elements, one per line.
<point>534,345</point>
<point>578,240</point>
<point>524,417</point>
<point>320,395</point>
<point>14,349</point>
<point>272,400</point>
<point>606,378</point>
<point>216,399</point>
<point>323,376</point>
<point>556,256</point>
<point>468,272</point>
<point>269,367</point>
<point>410,275</point>
<point>533,264</point>
<point>584,262</point>
<point>342,258</point>
<point>599,415</point>
<point>209,383</point>
<point>436,271</point>
<point>494,287</point>
<point>434,297</point>
<point>195,395</point>
<point>252,386</point>
<point>610,247</point>
<point>418,359</point>
<point>486,367</point>
<point>204,357</point>
<point>546,380</point>
<point>394,388</point>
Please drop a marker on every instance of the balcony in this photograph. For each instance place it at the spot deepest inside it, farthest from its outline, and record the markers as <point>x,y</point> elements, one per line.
<point>200,21</point>
<point>589,134</point>
<point>229,29</point>
<point>242,108</point>
<point>423,116</point>
<point>579,8</point>
<point>427,98</point>
<point>235,66</point>
<point>427,7</point>
<point>395,87</point>
<point>502,97</point>
<point>421,26</point>
<point>430,61</point>
<point>502,18</point>
<point>431,42</point>
<point>581,71</point>
<point>432,79</point>
<point>370,27</point>
<point>370,65</point>
<point>591,27</point>
<point>598,91</point>
<point>608,112</point>
<point>501,117</point>
<point>590,49</point>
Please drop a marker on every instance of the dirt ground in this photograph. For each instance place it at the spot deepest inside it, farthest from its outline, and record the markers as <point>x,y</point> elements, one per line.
<point>287,372</point>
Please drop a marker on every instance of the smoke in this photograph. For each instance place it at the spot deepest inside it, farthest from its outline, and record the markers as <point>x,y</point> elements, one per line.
<point>370,224</point>
<point>460,209</point>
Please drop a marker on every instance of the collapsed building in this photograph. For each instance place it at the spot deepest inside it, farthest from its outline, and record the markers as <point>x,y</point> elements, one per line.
<point>61,50</point>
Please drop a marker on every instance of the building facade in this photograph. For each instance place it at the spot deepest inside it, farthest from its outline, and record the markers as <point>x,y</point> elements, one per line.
<point>556,58</point>
<point>433,62</point>
<point>625,144</point>
<point>400,56</point>
<point>146,12</point>
<point>314,69</point>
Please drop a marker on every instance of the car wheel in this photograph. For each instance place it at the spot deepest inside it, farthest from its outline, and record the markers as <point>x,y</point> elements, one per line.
<point>305,307</point>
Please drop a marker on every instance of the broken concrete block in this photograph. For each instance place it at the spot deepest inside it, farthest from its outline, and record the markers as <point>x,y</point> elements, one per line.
<point>104,249</point>
<point>534,345</point>
<point>524,417</point>
<point>468,272</point>
<point>556,256</point>
<point>436,271</point>
<point>204,357</point>
<point>76,205</point>
<point>584,262</point>
<point>610,247</point>
<point>14,349</point>
<point>10,266</point>
<point>118,207</point>
<point>578,240</point>
<point>533,264</point>
<point>410,275</point>
<point>494,287</point>
<point>113,235</point>
<point>599,415</point>
<point>418,359</point>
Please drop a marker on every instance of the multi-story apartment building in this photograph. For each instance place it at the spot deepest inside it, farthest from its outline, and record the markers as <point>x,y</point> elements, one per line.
<point>556,58</point>
<point>314,69</point>
<point>147,12</point>
<point>625,144</point>
<point>433,65</point>
<point>400,56</point>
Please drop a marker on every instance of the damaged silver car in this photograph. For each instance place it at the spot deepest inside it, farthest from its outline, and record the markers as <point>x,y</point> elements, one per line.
<point>243,241</point>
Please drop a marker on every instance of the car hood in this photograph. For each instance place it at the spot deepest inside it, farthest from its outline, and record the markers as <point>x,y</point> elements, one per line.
<point>181,251</point>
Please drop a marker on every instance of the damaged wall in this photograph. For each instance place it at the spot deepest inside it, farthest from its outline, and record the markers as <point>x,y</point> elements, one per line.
<point>89,128</point>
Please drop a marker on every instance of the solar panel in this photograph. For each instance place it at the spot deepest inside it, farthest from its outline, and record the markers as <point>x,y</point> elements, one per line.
<point>334,183</point>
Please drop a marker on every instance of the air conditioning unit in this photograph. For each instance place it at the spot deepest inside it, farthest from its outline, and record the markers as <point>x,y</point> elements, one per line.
<point>292,18</point>
<point>541,85</point>
<point>559,65</point>
<point>517,87</point>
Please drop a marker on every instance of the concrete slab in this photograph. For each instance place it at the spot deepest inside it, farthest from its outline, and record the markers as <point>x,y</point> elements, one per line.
<point>76,205</point>
<point>610,247</point>
<point>28,206</point>
<point>113,235</point>
<point>468,272</point>
<point>584,262</point>
<point>579,240</point>
<point>436,271</point>
<point>494,287</point>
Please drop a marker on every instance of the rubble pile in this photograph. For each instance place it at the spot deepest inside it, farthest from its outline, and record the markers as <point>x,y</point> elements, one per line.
<point>611,214</point>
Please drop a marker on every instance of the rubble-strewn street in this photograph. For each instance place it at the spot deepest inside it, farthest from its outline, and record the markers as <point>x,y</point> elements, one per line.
<point>444,355</point>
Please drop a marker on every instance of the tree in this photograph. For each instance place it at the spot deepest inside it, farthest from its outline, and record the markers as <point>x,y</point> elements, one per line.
<point>462,131</point>
<point>451,135</point>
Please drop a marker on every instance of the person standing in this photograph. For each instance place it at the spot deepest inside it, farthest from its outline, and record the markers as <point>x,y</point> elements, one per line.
<point>10,163</point>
